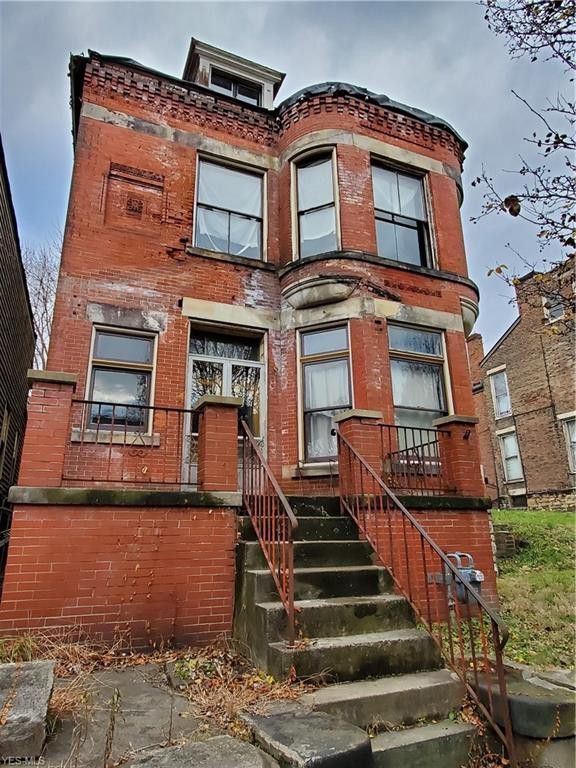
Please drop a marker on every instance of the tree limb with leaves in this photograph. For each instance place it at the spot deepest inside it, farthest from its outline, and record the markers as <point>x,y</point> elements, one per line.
<point>543,191</point>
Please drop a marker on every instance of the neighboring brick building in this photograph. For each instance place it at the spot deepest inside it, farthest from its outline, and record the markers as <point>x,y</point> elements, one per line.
<point>16,353</point>
<point>525,402</point>
<point>298,261</point>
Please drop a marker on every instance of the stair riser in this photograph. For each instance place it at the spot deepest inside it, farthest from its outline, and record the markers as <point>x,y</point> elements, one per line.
<point>398,708</point>
<point>357,662</point>
<point>337,621</point>
<point>446,752</point>
<point>320,506</point>
<point>311,529</point>
<point>313,586</point>
<point>315,554</point>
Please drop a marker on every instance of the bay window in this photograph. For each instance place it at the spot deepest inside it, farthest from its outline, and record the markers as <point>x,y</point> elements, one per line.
<point>400,211</point>
<point>121,380</point>
<point>417,367</point>
<point>316,206</point>
<point>325,363</point>
<point>229,210</point>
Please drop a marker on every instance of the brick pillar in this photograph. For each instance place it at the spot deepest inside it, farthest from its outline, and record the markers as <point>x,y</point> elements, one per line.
<point>358,427</point>
<point>460,454</point>
<point>218,443</point>
<point>47,428</point>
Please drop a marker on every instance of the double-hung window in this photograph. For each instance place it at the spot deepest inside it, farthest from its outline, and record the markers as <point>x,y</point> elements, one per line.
<point>121,380</point>
<point>239,89</point>
<point>500,394</point>
<point>417,366</point>
<point>569,427</point>
<point>325,362</point>
<point>511,457</point>
<point>316,206</point>
<point>229,210</point>
<point>553,308</point>
<point>401,226</point>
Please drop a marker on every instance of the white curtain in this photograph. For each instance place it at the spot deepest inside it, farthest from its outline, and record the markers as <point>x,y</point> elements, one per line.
<point>326,385</point>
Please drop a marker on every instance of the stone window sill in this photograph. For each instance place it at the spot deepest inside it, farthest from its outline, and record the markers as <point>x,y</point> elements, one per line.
<point>218,256</point>
<point>105,437</point>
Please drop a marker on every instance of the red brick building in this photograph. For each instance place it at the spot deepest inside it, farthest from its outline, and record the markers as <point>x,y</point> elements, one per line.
<point>300,261</point>
<point>525,403</point>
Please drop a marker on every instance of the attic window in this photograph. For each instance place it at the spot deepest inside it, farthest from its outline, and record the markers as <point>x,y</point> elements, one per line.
<point>233,86</point>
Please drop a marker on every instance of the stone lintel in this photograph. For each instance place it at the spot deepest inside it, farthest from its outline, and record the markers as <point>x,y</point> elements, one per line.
<point>112,497</point>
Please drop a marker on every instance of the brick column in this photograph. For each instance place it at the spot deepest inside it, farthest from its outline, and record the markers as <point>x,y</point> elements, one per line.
<point>47,428</point>
<point>218,443</point>
<point>358,427</point>
<point>460,454</point>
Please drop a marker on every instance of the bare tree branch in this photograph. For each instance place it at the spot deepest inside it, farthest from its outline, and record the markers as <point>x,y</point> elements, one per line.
<point>41,266</point>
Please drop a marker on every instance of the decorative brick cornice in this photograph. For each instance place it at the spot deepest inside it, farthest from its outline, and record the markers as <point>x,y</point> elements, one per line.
<point>165,96</point>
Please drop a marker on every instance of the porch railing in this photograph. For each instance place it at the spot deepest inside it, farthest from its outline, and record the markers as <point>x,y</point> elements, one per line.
<point>273,520</point>
<point>411,462</point>
<point>470,636</point>
<point>135,445</point>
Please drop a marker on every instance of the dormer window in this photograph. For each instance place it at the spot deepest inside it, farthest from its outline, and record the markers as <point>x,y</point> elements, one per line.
<point>222,82</point>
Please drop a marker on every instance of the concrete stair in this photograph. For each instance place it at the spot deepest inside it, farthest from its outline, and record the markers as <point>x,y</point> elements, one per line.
<point>355,631</point>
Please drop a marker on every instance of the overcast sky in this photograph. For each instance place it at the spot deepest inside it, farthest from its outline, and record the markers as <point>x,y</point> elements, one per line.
<point>438,56</point>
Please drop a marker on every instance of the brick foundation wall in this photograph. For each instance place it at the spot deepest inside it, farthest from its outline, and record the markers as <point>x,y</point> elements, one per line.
<point>158,574</point>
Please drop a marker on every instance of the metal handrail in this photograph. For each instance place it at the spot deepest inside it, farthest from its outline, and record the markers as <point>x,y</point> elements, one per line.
<point>273,520</point>
<point>457,617</point>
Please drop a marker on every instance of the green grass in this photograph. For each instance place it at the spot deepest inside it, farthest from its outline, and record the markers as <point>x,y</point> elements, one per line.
<point>537,587</point>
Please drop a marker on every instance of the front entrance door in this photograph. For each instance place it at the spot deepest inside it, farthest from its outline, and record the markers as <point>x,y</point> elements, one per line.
<point>225,365</point>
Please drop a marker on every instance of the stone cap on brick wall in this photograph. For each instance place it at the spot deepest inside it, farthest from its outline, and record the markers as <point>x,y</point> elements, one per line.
<point>52,377</point>
<point>233,402</point>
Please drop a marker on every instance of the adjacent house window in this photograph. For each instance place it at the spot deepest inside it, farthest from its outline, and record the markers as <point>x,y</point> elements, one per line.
<point>569,426</point>
<point>401,226</point>
<point>417,366</point>
<point>229,210</point>
<point>553,308</point>
<point>121,380</point>
<point>242,90</point>
<point>500,394</point>
<point>316,206</point>
<point>325,362</point>
<point>511,457</point>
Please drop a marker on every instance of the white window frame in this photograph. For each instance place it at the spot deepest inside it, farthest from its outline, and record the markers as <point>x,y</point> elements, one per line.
<point>302,460</point>
<point>227,162</point>
<point>564,418</point>
<point>494,372</point>
<point>501,434</point>
<point>303,157</point>
<point>118,364</point>
<point>236,80</point>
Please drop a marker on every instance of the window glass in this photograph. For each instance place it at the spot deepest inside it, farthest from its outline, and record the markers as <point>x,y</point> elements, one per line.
<point>329,340</point>
<point>326,384</point>
<point>511,455</point>
<point>385,184</point>
<point>570,432</point>
<point>123,387</point>
<point>248,93</point>
<point>221,83</point>
<point>230,189</point>
<point>502,405</point>
<point>407,339</point>
<point>317,232</point>
<point>212,230</point>
<point>244,237</point>
<point>320,442</point>
<point>315,184</point>
<point>398,193</point>
<point>128,349</point>
<point>407,245</point>
<point>246,385</point>
<point>219,345</point>
<point>417,385</point>
<point>410,194</point>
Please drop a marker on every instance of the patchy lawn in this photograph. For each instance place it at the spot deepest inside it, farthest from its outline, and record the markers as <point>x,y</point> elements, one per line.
<point>537,587</point>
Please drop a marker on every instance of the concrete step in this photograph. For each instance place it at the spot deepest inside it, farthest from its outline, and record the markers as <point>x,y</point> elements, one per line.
<point>25,690</point>
<point>315,506</point>
<point>439,745</point>
<point>320,583</point>
<point>311,528</point>
<point>337,616</point>
<point>308,554</point>
<point>356,657</point>
<point>391,701</point>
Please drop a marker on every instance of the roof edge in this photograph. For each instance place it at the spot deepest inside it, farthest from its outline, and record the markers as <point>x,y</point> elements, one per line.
<point>499,341</point>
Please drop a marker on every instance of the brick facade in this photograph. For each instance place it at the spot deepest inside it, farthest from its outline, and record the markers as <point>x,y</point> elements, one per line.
<point>16,353</point>
<point>129,262</point>
<point>539,366</point>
